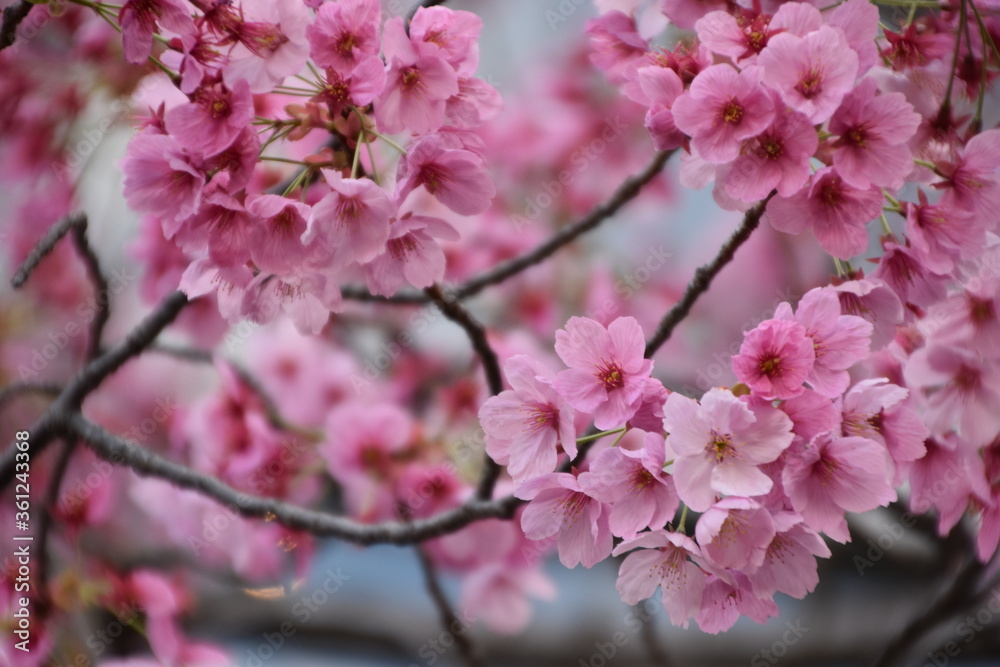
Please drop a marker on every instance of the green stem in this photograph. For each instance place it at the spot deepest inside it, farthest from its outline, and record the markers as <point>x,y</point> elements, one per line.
<point>598,436</point>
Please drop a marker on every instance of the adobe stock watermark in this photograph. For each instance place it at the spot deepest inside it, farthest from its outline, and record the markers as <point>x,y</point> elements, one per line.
<point>779,649</point>
<point>580,160</point>
<point>433,649</point>
<point>606,651</point>
<point>118,280</point>
<point>303,610</point>
<point>565,9</point>
<point>967,629</point>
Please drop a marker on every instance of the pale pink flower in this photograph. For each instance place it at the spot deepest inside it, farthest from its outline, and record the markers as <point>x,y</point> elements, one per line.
<point>203,277</point>
<point>140,19</point>
<point>661,87</point>
<point>352,221</point>
<point>725,601</point>
<point>278,48</point>
<point>859,21</point>
<point>615,44</point>
<point>743,34</point>
<point>720,443</point>
<point>941,234</point>
<point>529,425</point>
<point>607,372</point>
<point>685,13</point>
<point>275,236</point>
<point>777,158</point>
<point>875,302</point>
<point>734,533</point>
<point>498,593</point>
<point>358,86</point>
<point>456,177</point>
<point>948,478</point>
<point>214,117</point>
<point>412,254</point>
<point>448,34</point>
<point>970,318</point>
<point>972,182</point>
<point>559,506</point>
<point>873,132</point>
<point>839,341</point>
<point>960,391</point>
<point>900,268</point>
<point>834,475</point>
<point>811,414</point>
<point>877,409</point>
<point>308,300</point>
<point>633,483</point>
<point>417,86</point>
<point>343,33</point>
<point>789,564</point>
<point>812,73</point>
<point>664,560</point>
<point>722,108</point>
<point>475,103</point>
<point>222,223</point>
<point>837,213</point>
<point>161,179</point>
<point>775,359</point>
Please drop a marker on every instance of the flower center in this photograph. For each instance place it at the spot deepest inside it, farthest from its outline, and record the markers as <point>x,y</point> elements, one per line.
<point>720,445</point>
<point>732,113</point>
<point>810,83</point>
<point>610,375</point>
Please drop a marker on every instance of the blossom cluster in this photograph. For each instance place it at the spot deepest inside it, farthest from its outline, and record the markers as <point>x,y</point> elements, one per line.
<point>196,164</point>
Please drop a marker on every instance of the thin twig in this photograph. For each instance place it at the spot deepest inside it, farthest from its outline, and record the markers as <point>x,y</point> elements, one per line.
<point>45,245</point>
<point>625,193</point>
<point>449,619</point>
<point>703,278</point>
<point>12,17</point>
<point>102,294</point>
<point>21,388</point>
<point>120,451</point>
<point>491,365</point>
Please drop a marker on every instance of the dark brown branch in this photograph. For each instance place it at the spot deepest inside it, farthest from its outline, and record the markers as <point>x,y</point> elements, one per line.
<point>21,388</point>
<point>102,294</point>
<point>46,243</point>
<point>91,376</point>
<point>703,278</point>
<point>12,17</point>
<point>491,365</point>
<point>959,595</point>
<point>449,619</point>
<point>625,193</point>
<point>122,452</point>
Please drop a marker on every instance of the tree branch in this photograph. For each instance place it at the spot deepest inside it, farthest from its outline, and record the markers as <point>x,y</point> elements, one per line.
<point>48,241</point>
<point>703,278</point>
<point>102,294</point>
<point>12,17</point>
<point>20,388</point>
<point>449,619</point>
<point>625,193</point>
<point>90,377</point>
<point>122,452</point>
<point>491,365</point>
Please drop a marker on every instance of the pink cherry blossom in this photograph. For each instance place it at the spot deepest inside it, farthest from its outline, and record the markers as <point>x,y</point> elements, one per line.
<point>559,506</point>
<point>812,73</point>
<point>721,109</point>
<point>775,359</point>
<point>529,425</point>
<point>666,560</point>
<point>633,483</point>
<point>140,19</point>
<point>789,564</point>
<point>837,213</point>
<point>352,221</point>
<point>456,177</point>
<point>834,475</point>
<point>873,130</point>
<point>212,120</point>
<point>839,341</point>
<point>161,179</point>
<point>959,389</point>
<point>878,410</point>
<point>735,533</point>
<point>661,86</point>
<point>875,302</point>
<point>776,158</point>
<point>413,254</point>
<point>859,21</point>
<point>279,47</point>
<point>724,601</point>
<point>947,479</point>
<point>900,268</point>
<point>358,86</point>
<point>343,33</point>
<point>475,103</point>
<point>607,372</point>
<point>811,414</point>
<point>417,86</point>
<point>448,34</point>
<point>275,237</point>
<point>720,442</point>
<point>940,234</point>
<point>972,182</point>
<point>308,301</point>
<point>615,44</point>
